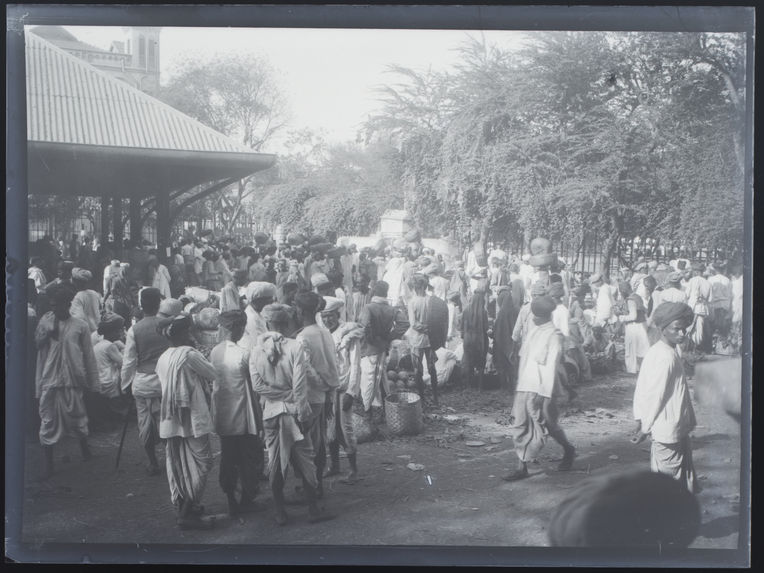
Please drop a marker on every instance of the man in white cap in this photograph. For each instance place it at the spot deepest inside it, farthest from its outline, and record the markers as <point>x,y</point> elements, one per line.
<point>259,295</point>
<point>721,299</point>
<point>87,302</point>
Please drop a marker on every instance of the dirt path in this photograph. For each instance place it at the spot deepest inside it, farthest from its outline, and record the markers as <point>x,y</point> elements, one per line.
<point>458,499</point>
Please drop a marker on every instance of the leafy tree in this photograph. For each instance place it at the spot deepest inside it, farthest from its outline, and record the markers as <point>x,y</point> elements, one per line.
<point>237,95</point>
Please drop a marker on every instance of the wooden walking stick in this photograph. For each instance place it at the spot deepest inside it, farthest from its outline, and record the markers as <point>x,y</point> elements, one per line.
<point>124,431</point>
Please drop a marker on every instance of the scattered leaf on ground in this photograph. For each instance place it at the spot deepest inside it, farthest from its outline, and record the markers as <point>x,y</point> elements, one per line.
<point>474,443</point>
<point>415,467</point>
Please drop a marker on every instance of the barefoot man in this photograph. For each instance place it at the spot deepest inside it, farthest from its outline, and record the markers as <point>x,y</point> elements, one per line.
<point>66,367</point>
<point>534,410</point>
<point>277,366</point>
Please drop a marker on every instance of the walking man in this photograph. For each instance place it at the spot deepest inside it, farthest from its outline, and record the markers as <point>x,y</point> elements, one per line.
<point>534,410</point>
<point>662,405</point>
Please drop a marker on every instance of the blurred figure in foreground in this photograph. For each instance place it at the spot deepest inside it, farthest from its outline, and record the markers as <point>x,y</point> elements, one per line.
<point>643,509</point>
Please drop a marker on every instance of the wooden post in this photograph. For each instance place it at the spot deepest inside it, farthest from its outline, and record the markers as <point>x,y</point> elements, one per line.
<point>118,227</point>
<point>104,219</point>
<point>163,224</point>
<point>136,224</point>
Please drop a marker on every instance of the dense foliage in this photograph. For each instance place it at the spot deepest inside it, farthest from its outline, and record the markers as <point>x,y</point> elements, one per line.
<point>617,134</point>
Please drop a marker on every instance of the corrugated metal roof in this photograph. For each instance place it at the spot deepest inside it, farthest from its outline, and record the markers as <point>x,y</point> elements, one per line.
<point>70,101</point>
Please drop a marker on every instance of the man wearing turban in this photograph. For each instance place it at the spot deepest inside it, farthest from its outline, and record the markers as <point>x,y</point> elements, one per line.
<point>86,304</point>
<point>259,295</point>
<point>66,367</point>
<point>662,405</point>
<point>524,322</point>
<point>277,365</point>
<point>699,297</point>
<point>642,509</point>
<point>108,353</point>
<point>534,411</point>
<point>143,347</point>
<point>185,423</point>
<point>347,339</point>
<point>230,299</point>
<point>321,373</point>
<point>236,415</point>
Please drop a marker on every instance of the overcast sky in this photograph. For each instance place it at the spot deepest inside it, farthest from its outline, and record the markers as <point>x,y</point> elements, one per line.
<point>328,75</point>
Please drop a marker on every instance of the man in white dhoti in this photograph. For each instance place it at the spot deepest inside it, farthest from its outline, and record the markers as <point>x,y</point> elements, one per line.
<point>185,422</point>
<point>662,405</point>
<point>66,367</point>
<point>699,295</point>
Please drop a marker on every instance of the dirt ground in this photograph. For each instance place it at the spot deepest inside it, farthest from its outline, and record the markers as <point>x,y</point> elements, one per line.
<point>457,499</point>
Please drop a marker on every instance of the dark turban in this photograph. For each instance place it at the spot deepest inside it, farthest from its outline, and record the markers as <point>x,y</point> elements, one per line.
<point>172,327</point>
<point>543,306</point>
<point>109,322</point>
<point>232,319</point>
<point>60,294</point>
<point>668,312</point>
<point>310,302</point>
<point>643,509</point>
<point>557,290</point>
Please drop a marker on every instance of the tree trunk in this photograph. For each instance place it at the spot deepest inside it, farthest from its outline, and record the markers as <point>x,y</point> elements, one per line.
<point>610,249</point>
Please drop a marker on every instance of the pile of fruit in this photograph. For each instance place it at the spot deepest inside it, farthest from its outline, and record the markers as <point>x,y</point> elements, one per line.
<point>402,380</point>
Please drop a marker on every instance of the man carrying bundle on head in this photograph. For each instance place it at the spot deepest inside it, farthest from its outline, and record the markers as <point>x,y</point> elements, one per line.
<point>236,415</point>
<point>534,410</point>
<point>662,405</point>
<point>185,420</point>
<point>347,339</point>
<point>321,373</point>
<point>277,366</point>
<point>66,367</point>
<point>143,347</point>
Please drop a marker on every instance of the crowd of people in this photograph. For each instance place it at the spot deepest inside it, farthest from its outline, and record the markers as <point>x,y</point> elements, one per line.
<point>283,349</point>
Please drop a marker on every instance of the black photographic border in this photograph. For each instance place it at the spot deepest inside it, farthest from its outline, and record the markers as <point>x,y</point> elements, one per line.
<point>731,17</point>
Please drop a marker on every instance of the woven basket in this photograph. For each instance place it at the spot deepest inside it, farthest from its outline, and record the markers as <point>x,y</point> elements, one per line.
<point>403,413</point>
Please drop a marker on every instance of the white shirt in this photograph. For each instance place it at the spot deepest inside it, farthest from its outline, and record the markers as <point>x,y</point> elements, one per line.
<point>699,295</point>
<point>109,360</point>
<point>256,326</point>
<point>672,295</point>
<point>661,398</point>
<point>539,357</point>
<point>560,318</point>
<point>721,291</point>
<point>737,298</point>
